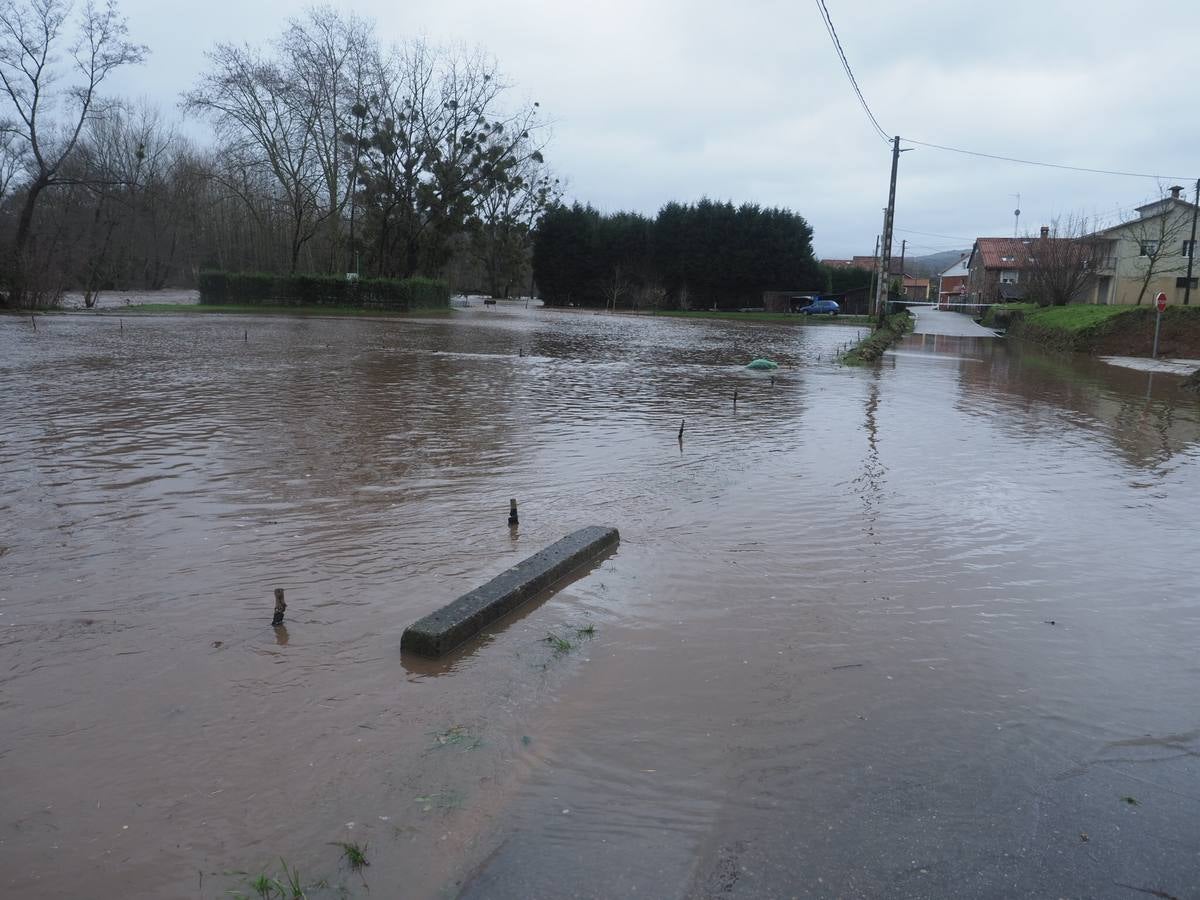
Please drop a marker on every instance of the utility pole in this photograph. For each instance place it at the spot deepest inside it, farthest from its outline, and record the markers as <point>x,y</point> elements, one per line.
<point>1187,285</point>
<point>890,218</point>
<point>903,249</point>
<point>880,275</point>
<point>874,275</point>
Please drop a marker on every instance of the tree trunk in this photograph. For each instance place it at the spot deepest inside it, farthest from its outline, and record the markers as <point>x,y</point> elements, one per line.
<point>412,252</point>
<point>19,295</point>
<point>25,221</point>
<point>296,242</point>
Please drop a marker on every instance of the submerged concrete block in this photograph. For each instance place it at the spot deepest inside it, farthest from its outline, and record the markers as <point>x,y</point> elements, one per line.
<point>442,631</point>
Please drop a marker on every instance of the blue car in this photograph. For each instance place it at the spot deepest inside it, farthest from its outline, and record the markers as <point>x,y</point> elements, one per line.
<point>820,308</point>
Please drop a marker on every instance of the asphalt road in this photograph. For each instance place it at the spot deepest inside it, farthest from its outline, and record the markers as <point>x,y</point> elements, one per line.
<point>933,321</point>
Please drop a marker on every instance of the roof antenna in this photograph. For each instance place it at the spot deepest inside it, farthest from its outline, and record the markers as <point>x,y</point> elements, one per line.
<point>1017,216</point>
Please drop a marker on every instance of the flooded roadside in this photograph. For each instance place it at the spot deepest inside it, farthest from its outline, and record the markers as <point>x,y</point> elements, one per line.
<point>821,661</point>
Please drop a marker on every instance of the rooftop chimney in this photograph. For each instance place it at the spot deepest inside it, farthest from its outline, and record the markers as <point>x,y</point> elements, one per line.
<point>1175,191</point>
<point>1045,231</point>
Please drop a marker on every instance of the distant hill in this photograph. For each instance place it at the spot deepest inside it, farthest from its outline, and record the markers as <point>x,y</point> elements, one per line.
<point>933,264</point>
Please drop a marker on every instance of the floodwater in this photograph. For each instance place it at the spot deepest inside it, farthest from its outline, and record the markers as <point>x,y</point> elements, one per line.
<point>929,629</point>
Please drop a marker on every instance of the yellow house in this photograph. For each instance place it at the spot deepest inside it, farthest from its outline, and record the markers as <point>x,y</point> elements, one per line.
<point>1146,255</point>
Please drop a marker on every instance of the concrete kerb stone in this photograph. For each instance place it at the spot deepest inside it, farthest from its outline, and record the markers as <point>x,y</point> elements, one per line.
<point>440,632</point>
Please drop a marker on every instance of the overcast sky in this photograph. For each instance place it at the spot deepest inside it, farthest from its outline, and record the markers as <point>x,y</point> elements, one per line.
<point>664,100</point>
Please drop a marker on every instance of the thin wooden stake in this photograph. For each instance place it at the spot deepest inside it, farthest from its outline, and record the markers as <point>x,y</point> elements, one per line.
<point>681,421</point>
<point>280,607</point>
<point>33,321</point>
<point>513,519</point>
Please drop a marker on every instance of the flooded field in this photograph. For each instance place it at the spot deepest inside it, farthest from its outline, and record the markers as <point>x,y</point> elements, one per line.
<point>931,629</point>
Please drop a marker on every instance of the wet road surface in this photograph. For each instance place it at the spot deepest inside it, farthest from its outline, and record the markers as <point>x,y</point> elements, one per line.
<point>936,321</point>
<point>921,630</point>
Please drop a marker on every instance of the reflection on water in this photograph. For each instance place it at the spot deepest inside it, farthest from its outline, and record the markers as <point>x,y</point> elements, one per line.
<point>819,663</point>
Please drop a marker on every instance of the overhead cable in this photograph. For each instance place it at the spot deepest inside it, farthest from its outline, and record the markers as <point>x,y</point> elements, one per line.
<point>1032,162</point>
<point>824,10</point>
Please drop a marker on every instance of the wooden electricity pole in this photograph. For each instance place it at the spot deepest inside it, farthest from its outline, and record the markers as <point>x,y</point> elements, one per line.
<point>886,261</point>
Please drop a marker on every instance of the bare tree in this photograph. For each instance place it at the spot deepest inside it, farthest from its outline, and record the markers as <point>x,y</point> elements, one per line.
<point>124,161</point>
<point>11,162</point>
<point>328,60</point>
<point>396,153</point>
<point>1062,261</point>
<point>435,140</point>
<point>513,190</point>
<point>616,288</point>
<point>38,84</point>
<point>406,149</point>
<point>459,131</point>
<point>257,108</point>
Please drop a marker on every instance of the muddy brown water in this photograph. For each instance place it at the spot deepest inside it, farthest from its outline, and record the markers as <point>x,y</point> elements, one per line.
<point>822,664</point>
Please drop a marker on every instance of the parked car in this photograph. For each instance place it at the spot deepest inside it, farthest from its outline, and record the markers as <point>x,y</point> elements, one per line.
<point>820,308</point>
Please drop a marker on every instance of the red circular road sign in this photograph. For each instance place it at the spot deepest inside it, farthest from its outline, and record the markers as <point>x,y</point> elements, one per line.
<point>1161,301</point>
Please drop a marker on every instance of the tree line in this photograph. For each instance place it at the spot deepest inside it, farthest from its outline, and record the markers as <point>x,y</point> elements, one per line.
<point>696,255</point>
<point>332,153</point>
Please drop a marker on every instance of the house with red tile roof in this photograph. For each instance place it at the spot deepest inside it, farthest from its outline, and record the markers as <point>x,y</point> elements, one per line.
<point>913,288</point>
<point>952,283</point>
<point>998,268</point>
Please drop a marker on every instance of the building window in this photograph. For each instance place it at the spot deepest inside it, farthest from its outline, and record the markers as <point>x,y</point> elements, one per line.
<point>1009,276</point>
<point>1008,259</point>
<point>1182,282</point>
<point>1149,248</point>
<point>1189,248</point>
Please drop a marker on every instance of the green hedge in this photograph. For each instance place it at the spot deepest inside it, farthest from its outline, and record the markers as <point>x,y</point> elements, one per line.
<point>254,288</point>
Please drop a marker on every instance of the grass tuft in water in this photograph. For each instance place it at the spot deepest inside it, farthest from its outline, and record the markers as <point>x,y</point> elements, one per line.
<point>269,887</point>
<point>443,799</point>
<point>294,890</point>
<point>459,736</point>
<point>354,854</point>
<point>560,644</point>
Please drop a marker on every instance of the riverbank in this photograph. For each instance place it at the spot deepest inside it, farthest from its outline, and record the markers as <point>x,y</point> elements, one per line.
<point>1102,330</point>
<point>874,345</point>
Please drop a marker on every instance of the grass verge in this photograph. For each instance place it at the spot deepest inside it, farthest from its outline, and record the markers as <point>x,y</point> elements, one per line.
<point>873,346</point>
<point>1109,330</point>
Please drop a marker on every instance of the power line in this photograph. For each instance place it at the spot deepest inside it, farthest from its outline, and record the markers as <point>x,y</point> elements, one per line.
<point>949,237</point>
<point>824,10</point>
<point>938,250</point>
<point>1031,162</point>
